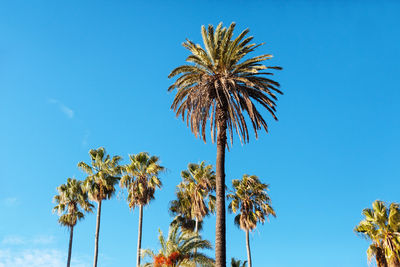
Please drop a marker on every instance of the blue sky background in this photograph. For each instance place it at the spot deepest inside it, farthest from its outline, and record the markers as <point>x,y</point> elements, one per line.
<point>78,75</point>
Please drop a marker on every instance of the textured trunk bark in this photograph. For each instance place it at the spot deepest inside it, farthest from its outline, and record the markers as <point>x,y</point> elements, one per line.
<point>380,258</point>
<point>71,236</point>
<point>248,248</point>
<point>96,239</point>
<point>139,241</point>
<point>220,239</point>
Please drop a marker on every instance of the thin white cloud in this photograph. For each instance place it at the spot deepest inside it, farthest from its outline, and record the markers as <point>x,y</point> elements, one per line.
<point>64,109</point>
<point>16,240</point>
<point>85,138</point>
<point>10,201</point>
<point>37,258</point>
<point>13,240</point>
<point>42,240</point>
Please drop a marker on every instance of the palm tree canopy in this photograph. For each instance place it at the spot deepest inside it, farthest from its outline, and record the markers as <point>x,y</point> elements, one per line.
<point>221,82</point>
<point>70,197</point>
<point>382,226</point>
<point>178,250</point>
<point>103,174</point>
<point>251,199</point>
<point>198,183</point>
<point>141,178</point>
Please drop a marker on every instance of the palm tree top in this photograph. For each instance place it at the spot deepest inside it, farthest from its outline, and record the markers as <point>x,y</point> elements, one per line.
<point>251,197</point>
<point>382,226</point>
<point>103,174</point>
<point>141,179</point>
<point>70,197</point>
<point>220,82</point>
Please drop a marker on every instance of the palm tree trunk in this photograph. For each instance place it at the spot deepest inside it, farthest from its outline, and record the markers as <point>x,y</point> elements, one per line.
<point>139,241</point>
<point>380,258</point>
<point>96,239</point>
<point>71,235</point>
<point>220,239</point>
<point>248,248</point>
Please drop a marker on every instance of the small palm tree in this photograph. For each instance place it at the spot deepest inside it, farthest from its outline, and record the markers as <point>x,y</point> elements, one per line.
<point>250,199</point>
<point>141,179</point>
<point>382,226</point>
<point>238,263</point>
<point>220,85</point>
<point>178,250</point>
<point>198,183</point>
<point>103,175</point>
<point>69,200</point>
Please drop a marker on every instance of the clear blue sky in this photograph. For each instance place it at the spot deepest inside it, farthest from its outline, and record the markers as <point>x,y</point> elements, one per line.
<point>77,75</point>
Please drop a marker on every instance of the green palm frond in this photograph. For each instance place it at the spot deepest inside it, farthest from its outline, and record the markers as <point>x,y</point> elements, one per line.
<point>220,81</point>
<point>141,178</point>
<point>251,201</point>
<point>179,247</point>
<point>382,226</point>
<point>103,174</point>
<point>70,200</point>
<point>194,194</point>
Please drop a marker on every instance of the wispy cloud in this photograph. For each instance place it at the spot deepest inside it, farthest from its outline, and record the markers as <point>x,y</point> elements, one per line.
<point>37,258</point>
<point>16,240</point>
<point>64,109</point>
<point>13,240</point>
<point>10,201</point>
<point>85,138</point>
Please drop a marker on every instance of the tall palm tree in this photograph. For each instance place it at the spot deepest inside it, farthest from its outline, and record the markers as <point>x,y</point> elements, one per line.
<point>198,183</point>
<point>238,263</point>
<point>250,199</point>
<point>103,175</point>
<point>220,84</point>
<point>382,226</point>
<point>141,179</point>
<point>69,200</point>
<point>178,250</point>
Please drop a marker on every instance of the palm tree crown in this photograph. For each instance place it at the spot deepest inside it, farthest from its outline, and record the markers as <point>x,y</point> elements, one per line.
<point>178,250</point>
<point>102,174</point>
<point>70,197</point>
<point>141,178</point>
<point>220,83</point>
<point>382,226</point>
<point>251,199</point>
<point>198,183</point>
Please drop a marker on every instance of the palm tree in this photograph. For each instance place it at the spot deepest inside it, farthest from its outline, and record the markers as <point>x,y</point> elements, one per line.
<point>251,200</point>
<point>382,226</point>
<point>70,197</point>
<point>198,183</point>
<point>218,85</point>
<point>141,179</point>
<point>103,175</point>
<point>178,250</point>
<point>238,263</point>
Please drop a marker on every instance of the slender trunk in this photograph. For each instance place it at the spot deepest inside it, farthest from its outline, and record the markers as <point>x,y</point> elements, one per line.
<point>196,232</point>
<point>96,239</point>
<point>139,240</point>
<point>71,236</point>
<point>220,239</point>
<point>248,248</point>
